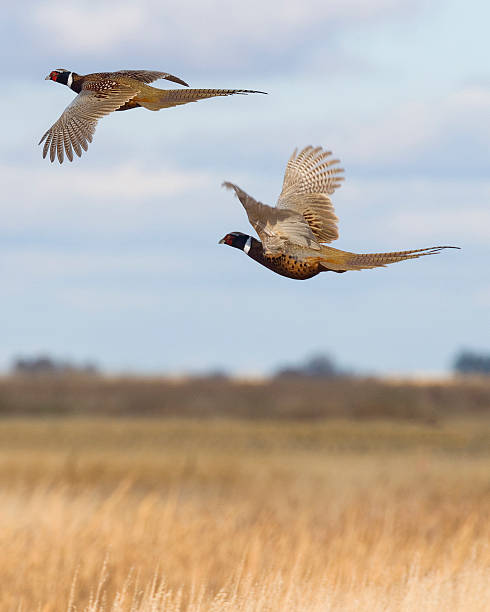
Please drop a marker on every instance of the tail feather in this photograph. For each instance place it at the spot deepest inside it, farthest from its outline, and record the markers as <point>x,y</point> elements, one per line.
<point>166,98</point>
<point>334,259</point>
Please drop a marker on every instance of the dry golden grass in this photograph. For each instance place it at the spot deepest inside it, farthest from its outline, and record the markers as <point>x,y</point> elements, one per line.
<point>152,515</point>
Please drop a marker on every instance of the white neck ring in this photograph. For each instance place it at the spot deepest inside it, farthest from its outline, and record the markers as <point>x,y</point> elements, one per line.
<point>248,245</point>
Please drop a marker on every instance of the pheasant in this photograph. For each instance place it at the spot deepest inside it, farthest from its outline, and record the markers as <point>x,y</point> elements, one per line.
<point>292,233</point>
<point>102,93</point>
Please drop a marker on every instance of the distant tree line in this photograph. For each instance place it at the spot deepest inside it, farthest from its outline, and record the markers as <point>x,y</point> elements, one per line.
<point>466,362</point>
<point>470,362</point>
<point>44,365</point>
<point>316,366</point>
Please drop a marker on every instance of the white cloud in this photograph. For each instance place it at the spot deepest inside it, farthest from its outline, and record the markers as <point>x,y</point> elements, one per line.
<point>472,225</point>
<point>453,129</point>
<point>124,195</point>
<point>123,182</point>
<point>88,27</point>
<point>383,213</point>
<point>48,264</point>
<point>201,30</point>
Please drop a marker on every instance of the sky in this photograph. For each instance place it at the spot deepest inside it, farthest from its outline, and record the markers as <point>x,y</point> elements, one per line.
<point>114,258</point>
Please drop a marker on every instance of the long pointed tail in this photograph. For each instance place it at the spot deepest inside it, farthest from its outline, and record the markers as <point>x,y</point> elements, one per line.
<point>165,98</point>
<point>340,261</point>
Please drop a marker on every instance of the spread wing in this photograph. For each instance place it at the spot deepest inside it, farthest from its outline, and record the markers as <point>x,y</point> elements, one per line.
<point>76,126</point>
<point>275,227</point>
<point>148,76</point>
<point>310,177</point>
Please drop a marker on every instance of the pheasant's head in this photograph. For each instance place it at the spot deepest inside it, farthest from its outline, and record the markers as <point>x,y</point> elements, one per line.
<point>237,240</point>
<point>60,75</point>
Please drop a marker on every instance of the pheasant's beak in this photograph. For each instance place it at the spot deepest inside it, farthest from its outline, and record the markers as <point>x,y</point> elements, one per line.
<point>47,78</point>
<point>222,241</point>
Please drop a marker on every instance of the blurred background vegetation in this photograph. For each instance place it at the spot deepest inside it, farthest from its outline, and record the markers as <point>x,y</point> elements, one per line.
<point>317,388</point>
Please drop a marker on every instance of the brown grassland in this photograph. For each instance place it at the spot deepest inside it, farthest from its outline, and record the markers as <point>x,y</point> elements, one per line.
<point>298,510</point>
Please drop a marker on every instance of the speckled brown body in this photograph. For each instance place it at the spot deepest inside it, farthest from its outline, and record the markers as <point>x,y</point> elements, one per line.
<point>301,263</point>
<point>292,265</point>
<point>104,81</point>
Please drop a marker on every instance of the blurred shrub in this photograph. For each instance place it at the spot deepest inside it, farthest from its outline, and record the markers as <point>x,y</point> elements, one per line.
<point>469,362</point>
<point>317,366</point>
<point>45,365</point>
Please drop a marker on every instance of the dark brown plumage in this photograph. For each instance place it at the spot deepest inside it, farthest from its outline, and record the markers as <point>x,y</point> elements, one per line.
<point>101,93</point>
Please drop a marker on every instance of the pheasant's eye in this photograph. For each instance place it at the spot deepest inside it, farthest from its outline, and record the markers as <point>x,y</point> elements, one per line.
<point>54,75</point>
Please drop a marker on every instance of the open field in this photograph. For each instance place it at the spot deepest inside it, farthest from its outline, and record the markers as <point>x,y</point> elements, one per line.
<point>250,515</point>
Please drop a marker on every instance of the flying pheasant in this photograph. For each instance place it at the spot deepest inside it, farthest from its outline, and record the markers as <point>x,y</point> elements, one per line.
<point>102,93</point>
<point>292,233</point>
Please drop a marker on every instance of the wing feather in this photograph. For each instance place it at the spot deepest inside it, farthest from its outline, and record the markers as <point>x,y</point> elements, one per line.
<point>275,227</point>
<point>309,179</point>
<point>148,76</point>
<point>76,126</point>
